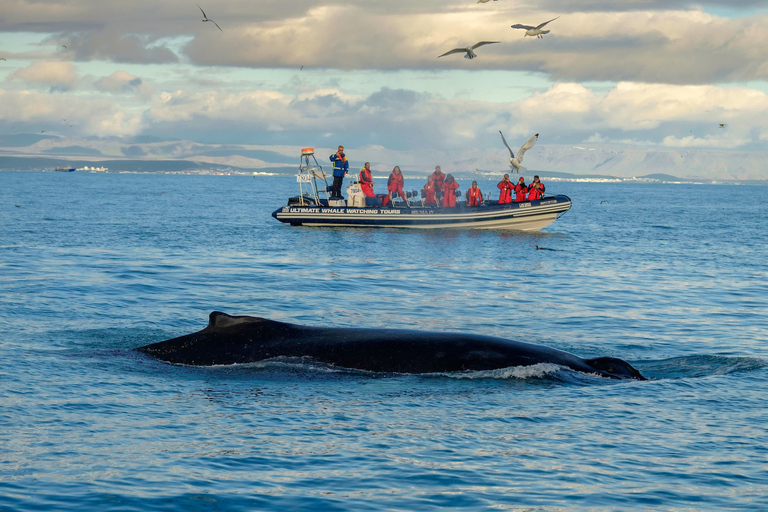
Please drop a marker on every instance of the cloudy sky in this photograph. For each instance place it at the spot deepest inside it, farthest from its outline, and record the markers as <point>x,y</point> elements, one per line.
<point>634,73</point>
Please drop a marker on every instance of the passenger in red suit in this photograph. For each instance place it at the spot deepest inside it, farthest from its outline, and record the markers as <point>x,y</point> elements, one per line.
<point>448,188</point>
<point>366,181</point>
<point>439,178</point>
<point>520,190</point>
<point>395,183</point>
<point>395,186</point>
<point>506,187</point>
<point>474,196</point>
<point>536,189</point>
<point>429,191</point>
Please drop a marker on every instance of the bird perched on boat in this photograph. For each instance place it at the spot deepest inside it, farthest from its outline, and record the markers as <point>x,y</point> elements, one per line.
<point>535,31</point>
<point>517,161</point>
<point>206,18</point>
<point>469,50</point>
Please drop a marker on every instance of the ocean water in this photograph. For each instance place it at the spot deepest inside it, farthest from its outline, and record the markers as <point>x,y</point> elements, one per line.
<point>673,278</point>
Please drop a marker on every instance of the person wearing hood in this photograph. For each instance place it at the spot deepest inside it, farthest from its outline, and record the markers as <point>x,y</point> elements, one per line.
<point>520,190</point>
<point>449,192</point>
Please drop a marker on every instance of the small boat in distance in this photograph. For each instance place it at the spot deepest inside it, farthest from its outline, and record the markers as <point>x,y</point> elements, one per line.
<point>64,169</point>
<point>314,207</point>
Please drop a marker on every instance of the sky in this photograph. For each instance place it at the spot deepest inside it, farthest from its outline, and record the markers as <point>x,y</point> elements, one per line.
<point>626,73</point>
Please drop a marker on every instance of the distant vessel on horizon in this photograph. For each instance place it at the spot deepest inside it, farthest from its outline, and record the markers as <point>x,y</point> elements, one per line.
<point>64,169</point>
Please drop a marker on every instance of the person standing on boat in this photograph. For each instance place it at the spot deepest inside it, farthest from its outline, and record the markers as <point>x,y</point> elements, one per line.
<point>439,178</point>
<point>449,192</point>
<point>429,190</point>
<point>535,189</point>
<point>520,190</point>
<point>474,196</point>
<point>366,180</point>
<point>340,168</point>
<point>506,188</point>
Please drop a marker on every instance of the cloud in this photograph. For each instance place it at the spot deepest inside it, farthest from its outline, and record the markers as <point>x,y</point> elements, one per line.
<point>401,119</point>
<point>632,40</point>
<point>117,47</point>
<point>36,111</point>
<point>56,76</point>
<point>122,82</point>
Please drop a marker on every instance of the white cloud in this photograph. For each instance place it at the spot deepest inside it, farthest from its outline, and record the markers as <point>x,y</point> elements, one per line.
<point>122,82</point>
<point>47,111</point>
<point>56,76</point>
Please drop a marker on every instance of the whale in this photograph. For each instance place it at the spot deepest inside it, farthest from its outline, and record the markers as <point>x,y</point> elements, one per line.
<point>241,339</point>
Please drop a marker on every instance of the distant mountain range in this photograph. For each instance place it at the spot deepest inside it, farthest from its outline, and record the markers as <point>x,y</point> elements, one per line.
<point>44,152</point>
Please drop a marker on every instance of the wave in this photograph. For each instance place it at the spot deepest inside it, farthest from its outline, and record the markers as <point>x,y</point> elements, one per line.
<point>697,366</point>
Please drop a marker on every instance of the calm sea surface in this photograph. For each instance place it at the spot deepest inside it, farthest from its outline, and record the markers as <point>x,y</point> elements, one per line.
<point>673,278</point>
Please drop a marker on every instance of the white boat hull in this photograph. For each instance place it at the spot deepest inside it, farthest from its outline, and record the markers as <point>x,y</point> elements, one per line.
<point>523,216</point>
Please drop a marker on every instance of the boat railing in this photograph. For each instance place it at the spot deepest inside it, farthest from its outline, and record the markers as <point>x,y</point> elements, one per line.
<point>308,176</point>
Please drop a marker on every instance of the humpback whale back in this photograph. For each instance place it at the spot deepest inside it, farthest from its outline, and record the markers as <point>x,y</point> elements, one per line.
<point>245,339</point>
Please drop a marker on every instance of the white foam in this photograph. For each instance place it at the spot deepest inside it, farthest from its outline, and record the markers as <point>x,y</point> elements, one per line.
<point>535,371</point>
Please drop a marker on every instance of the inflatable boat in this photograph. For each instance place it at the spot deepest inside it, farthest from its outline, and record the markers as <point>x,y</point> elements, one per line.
<point>314,207</point>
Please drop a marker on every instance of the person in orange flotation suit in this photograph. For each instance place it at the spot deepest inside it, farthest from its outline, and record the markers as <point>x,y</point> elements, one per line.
<point>395,186</point>
<point>474,196</point>
<point>449,187</point>
<point>535,189</point>
<point>429,191</point>
<point>505,187</point>
<point>439,178</point>
<point>366,180</point>
<point>520,190</point>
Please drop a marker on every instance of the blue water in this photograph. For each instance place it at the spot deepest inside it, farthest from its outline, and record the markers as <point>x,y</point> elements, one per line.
<point>673,278</point>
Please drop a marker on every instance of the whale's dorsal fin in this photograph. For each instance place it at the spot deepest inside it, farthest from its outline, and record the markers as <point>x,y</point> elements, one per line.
<point>219,320</point>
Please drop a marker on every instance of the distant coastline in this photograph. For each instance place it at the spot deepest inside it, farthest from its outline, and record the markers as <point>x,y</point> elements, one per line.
<point>597,162</point>
<point>198,168</point>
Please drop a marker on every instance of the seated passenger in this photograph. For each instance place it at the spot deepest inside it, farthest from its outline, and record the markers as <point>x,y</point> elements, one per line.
<point>520,190</point>
<point>506,187</point>
<point>449,191</point>
<point>395,185</point>
<point>536,189</point>
<point>366,181</point>
<point>474,196</point>
<point>428,192</point>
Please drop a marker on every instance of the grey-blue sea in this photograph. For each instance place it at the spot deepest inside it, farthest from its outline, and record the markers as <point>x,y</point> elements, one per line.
<point>673,278</point>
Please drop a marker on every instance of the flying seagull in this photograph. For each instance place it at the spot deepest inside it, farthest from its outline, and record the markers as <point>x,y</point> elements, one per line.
<point>723,125</point>
<point>483,1</point>
<point>516,162</point>
<point>64,46</point>
<point>534,31</point>
<point>3,58</point>
<point>206,18</point>
<point>469,50</point>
